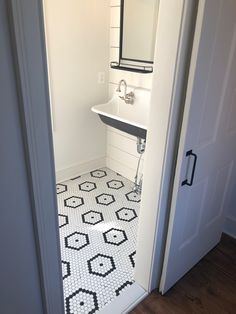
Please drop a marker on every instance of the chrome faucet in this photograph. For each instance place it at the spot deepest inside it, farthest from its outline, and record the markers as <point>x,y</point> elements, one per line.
<point>119,87</point>
<point>128,98</point>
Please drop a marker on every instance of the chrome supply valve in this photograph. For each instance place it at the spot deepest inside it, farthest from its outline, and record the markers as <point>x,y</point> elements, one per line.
<point>141,145</point>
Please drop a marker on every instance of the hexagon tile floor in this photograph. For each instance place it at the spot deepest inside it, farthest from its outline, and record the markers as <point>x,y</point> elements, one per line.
<point>98,218</point>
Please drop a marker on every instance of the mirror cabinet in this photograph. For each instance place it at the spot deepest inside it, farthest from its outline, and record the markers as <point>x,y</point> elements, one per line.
<point>138,23</point>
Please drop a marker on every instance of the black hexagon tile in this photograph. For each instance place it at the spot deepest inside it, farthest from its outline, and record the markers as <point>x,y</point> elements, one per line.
<point>115,236</point>
<point>74,202</point>
<point>101,265</point>
<point>63,220</point>
<point>98,219</point>
<point>65,269</point>
<point>115,184</point>
<point>82,301</point>
<point>61,188</point>
<point>123,287</point>
<point>98,174</point>
<point>132,258</point>
<point>87,186</point>
<point>133,197</point>
<point>126,214</point>
<point>92,217</point>
<point>105,199</point>
<point>76,241</point>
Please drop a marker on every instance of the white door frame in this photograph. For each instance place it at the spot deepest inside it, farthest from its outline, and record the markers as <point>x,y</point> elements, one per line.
<point>176,23</point>
<point>28,46</point>
<point>174,35</point>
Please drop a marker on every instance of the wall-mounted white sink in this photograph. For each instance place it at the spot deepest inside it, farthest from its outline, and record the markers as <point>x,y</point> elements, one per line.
<point>132,119</point>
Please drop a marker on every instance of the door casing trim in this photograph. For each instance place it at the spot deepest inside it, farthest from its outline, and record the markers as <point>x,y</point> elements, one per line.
<point>31,68</point>
<point>27,37</point>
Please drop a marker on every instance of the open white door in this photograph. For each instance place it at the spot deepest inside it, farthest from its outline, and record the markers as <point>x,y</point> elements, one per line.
<point>208,141</point>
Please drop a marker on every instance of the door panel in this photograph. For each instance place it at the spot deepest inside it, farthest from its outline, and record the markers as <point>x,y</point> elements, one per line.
<point>20,287</point>
<point>192,219</point>
<point>197,211</point>
<point>220,186</point>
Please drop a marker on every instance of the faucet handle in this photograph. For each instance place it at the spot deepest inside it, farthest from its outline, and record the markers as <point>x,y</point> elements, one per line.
<point>130,95</point>
<point>129,98</point>
<point>122,97</point>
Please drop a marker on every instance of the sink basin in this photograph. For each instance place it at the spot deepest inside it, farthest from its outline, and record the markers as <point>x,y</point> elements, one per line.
<point>131,119</point>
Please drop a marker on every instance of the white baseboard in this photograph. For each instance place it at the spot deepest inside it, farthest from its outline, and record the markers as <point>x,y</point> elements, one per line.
<point>230,226</point>
<point>126,301</point>
<point>120,168</point>
<point>79,169</point>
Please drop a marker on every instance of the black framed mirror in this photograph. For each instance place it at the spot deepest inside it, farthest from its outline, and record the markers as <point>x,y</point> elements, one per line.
<point>138,23</point>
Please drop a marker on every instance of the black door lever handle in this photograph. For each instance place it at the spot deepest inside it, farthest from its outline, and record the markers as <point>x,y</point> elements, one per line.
<point>189,154</point>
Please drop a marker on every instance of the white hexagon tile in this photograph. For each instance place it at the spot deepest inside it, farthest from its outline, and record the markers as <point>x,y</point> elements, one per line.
<point>98,219</point>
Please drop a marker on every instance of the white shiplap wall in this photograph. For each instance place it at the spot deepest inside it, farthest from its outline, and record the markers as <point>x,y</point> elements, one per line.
<point>122,155</point>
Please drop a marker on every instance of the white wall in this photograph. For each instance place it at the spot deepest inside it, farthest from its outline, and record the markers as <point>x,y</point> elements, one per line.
<point>121,147</point>
<point>77,42</point>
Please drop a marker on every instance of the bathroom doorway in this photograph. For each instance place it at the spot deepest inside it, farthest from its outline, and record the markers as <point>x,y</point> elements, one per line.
<point>99,196</point>
<point>148,253</point>
<point>99,169</point>
<point>173,40</point>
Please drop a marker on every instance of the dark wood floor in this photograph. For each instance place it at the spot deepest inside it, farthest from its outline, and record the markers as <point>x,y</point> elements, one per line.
<point>210,287</point>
